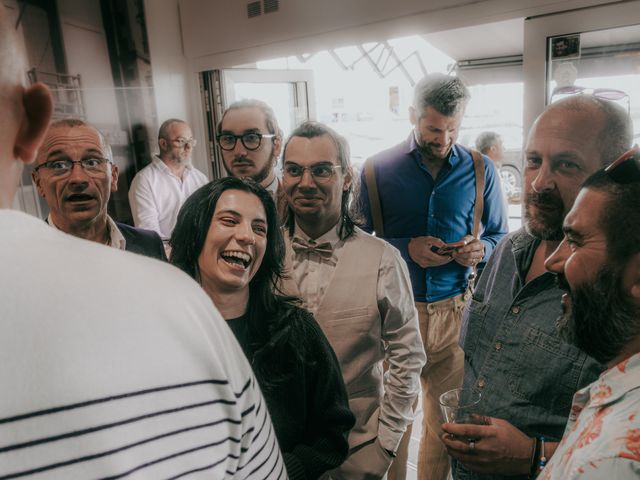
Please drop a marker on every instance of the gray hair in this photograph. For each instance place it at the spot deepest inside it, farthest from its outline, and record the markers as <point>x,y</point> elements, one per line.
<point>444,93</point>
<point>164,128</point>
<point>486,140</point>
<point>77,122</point>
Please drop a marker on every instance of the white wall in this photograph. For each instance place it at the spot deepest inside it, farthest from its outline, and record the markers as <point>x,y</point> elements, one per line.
<point>85,46</point>
<point>219,34</point>
<point>175,84</point>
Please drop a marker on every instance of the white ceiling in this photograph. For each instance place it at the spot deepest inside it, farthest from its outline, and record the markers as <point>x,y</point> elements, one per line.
<point>490,40</point>
<point>506,38</point>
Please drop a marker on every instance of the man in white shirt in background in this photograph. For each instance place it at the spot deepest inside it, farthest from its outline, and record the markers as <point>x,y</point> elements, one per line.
<point>159,189</point>
<point>103,374</point>
<point>358,288</point>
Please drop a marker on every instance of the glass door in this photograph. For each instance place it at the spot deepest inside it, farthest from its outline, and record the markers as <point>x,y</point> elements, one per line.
<point>289,92</point>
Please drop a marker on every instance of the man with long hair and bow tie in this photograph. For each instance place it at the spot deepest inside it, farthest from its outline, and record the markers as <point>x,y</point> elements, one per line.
<point>358,288</point>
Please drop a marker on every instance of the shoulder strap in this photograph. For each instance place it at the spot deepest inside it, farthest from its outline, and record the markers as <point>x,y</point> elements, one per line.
<point>374,198</point>
<point>478,167</point>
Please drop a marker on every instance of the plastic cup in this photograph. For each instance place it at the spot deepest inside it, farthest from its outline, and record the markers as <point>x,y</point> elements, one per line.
<point>459,406</point>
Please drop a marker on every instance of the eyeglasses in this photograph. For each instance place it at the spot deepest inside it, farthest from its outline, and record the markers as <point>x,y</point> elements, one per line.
<point>251,141</point>
<point>183,142</point>
<point>626,169</point>
<point>610,94</point>
<point>320,173</point>
<point>95,167</point>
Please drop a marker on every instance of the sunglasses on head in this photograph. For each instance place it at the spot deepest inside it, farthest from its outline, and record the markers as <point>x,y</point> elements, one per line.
<point>625,169</point>
<point>609,94</point>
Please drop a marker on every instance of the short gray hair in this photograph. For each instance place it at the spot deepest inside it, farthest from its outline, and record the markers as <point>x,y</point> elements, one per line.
<point>444,93</point>
<point>486,140</point>
<point>77,122</point>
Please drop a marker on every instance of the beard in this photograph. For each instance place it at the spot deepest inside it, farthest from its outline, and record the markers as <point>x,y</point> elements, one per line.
<point>261,174</point>
<point>543,215</point>
<point>430,149</point>
<point>601,319</point>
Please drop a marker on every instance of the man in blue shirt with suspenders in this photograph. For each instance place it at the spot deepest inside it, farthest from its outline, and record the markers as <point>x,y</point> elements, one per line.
<point>443,208</point>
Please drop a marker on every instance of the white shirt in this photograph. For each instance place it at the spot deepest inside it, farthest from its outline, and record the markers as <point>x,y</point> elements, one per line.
<point>104,373</point>
<point>313,271</point>
<point>156,195</point>
<point>116,240</point>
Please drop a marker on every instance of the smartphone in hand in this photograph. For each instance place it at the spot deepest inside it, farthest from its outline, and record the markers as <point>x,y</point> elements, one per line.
<point>449,248</point>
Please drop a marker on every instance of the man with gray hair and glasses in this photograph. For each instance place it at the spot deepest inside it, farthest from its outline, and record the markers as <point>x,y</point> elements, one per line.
<point>75,174</point>
<point>526,374</point>
<point>159,189</point>
<point>441,205</point>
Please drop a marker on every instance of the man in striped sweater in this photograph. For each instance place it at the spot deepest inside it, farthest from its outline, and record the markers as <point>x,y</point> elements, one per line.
<point>102,375</point>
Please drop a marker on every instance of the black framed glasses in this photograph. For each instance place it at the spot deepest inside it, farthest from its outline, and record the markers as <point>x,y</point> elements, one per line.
<point>626,168</point>
<point>93,166</point>
<point>250,141</point>
<point>609,94</point>
<point>321,173</point>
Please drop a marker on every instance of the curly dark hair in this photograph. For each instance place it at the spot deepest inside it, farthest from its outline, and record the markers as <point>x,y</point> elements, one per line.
<point>271,314</point>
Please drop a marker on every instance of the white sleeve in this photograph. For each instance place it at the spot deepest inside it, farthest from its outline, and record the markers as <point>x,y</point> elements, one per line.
<point>143,205</point>
<point>405,354</point>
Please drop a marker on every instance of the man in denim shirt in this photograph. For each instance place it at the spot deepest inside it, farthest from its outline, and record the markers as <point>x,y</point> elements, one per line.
<point>526,375</point>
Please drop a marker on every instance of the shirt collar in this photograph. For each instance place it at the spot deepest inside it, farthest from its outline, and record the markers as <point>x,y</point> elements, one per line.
<point>115,235</point>
<point>412,149</point>
<point>615,382</point>
<point>157,161</point>
<point>272,188</point>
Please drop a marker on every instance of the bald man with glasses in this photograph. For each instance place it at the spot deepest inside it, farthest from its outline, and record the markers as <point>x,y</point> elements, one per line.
<point>75,174</point>
<point>159,189</point>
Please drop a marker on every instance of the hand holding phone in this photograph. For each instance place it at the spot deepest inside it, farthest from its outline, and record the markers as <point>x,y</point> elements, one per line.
<point>449,248</point>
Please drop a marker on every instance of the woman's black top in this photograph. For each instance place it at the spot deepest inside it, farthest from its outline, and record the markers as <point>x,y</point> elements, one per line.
<point>310,409</point>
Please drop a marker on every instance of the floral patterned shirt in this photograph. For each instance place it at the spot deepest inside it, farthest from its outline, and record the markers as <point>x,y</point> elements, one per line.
<point>602,438</point>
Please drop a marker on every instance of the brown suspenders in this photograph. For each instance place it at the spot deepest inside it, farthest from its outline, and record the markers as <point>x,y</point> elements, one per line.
<point>374,197</point>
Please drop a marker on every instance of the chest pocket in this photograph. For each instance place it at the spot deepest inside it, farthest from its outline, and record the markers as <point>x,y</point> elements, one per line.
<point>546,372</point>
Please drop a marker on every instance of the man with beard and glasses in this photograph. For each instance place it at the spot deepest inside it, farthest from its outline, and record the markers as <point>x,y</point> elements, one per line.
<point>598,266</point>
<point>159,189</point>
<point>251,140</point>
<point>420,195</point>
<point>513,356</point>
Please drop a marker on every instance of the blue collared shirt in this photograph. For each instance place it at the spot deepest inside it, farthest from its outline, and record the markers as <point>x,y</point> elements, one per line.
<point>414,205</point>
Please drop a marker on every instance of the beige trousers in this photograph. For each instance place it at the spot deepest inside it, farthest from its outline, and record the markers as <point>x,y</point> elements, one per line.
<point>440,330</point>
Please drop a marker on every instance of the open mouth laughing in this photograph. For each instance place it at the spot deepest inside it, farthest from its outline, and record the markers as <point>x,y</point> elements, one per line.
<point>237,258</point>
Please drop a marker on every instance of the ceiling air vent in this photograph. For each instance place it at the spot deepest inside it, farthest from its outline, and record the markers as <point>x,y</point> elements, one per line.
<point>271,6</point>
<point>254,9</point>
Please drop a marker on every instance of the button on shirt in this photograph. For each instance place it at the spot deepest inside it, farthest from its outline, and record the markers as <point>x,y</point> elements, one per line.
<point>602,438</point>
<point>156,195</point>
<point>414,205</point>
<point>513,355</point>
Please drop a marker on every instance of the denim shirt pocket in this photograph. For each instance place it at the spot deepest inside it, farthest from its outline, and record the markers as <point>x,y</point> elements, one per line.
<point>475,317</point>
<point>546,372</point>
